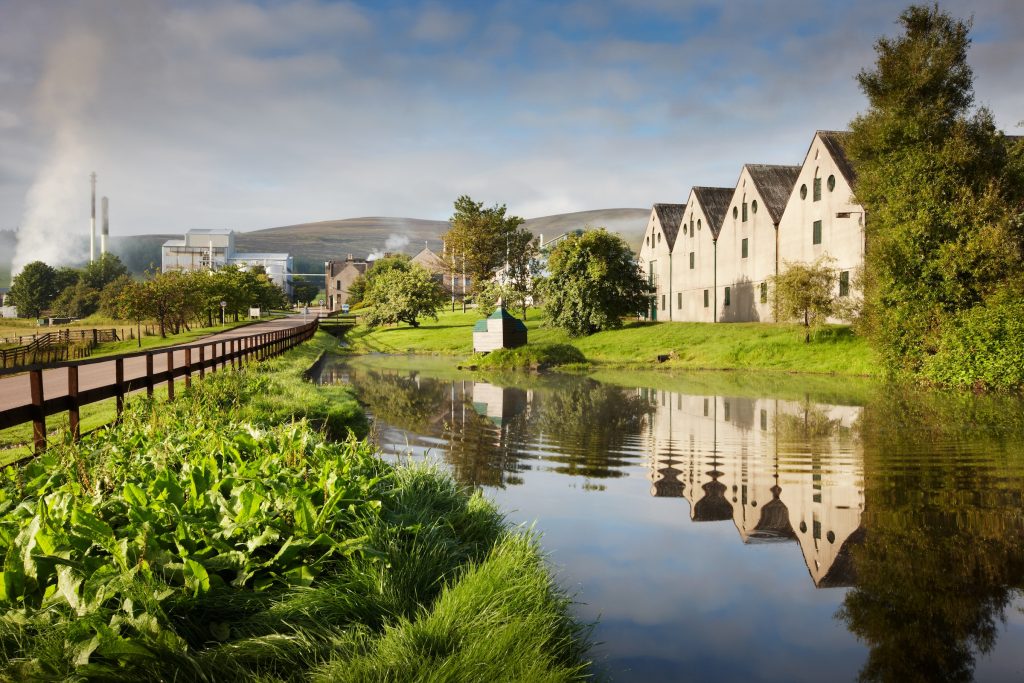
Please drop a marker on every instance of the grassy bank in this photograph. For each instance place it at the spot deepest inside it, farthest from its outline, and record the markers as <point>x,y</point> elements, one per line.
<point>214,538</point>
<point>703,346</point>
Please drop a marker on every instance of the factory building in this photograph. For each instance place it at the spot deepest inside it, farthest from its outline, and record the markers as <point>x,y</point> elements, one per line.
<point>213,249</point>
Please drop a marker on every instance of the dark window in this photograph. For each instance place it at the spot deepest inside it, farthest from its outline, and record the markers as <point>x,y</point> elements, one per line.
<point>844,283</point>
<point>831,183</point>
<point>817,189</point>
<point>728,291</point>
<point>764,419</point>
<point>679,300</point>
<point>705,306</point>
<point>816,237</point>
<point>659,238</point>
<point>753,206</point>
<point>698,224</point>
<point>764,292</point>
<point>705,400</point>
<point>743,248</point>
<point>735,212</point>
<point>648,239</point>
<point>684,229</point>
<point>744,212</point>
<point>691,260</point>
<point>725,404</point>
<point>803,192</point>
<point>691,223</point>
<point>817,529</point>
<point>663,302</point>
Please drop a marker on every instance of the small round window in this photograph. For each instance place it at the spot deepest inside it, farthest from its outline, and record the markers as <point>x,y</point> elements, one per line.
<point>831,183</point>
<point>735,212</point>
<point>659,238</point>
<point>831,536</point>
<point>803,527</point>
<point>753,206</point>
<point>803,192</point>
<point>698,224</point>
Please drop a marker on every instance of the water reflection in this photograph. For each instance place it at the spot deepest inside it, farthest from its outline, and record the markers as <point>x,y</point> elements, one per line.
<point>912,506</point>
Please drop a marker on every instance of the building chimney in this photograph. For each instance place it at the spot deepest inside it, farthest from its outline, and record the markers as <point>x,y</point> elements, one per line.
<point>106,226</point>
<point>350,259</point>
<point>92,220</point>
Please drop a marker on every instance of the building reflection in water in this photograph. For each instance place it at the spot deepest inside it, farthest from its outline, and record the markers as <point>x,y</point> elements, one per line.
<point>781,471</point>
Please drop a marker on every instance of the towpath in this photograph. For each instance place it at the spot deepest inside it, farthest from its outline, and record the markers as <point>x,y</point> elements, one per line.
<point>15,392</point>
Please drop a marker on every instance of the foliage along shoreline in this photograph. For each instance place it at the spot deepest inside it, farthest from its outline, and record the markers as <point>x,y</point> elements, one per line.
<point>225,537</point>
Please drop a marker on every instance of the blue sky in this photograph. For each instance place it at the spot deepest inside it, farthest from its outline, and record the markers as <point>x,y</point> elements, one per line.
<point>256,114</point>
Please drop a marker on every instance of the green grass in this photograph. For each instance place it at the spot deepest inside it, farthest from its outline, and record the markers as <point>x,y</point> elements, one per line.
<point>695,346</point>
<point>533,356</point>
<point>214,538</point>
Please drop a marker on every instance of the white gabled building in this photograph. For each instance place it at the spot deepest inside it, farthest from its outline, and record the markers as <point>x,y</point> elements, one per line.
<point>694,268</point>
<point>822,217</point>
<point>656,256</point>
<point>748,243</point>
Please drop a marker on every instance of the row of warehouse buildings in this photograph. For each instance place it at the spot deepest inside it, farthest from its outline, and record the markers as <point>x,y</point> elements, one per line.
<point>712,258</point>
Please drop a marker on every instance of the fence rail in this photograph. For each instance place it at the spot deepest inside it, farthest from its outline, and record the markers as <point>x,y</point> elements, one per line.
<point>197,358</point>
<point>53,347</point>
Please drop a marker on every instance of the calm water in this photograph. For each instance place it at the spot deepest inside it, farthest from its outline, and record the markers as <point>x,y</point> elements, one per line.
<point>727,527</point>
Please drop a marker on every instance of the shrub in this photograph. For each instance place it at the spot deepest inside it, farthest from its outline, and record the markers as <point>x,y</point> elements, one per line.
<point>981,348</point>
<point>534,356</point>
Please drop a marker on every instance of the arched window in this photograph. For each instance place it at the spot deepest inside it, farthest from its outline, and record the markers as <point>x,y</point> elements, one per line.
<point>831,183</point>
<point>698,224</point>
<point>803,191</point>
<point>817,186</point>
<point>735,212</point>
<point>753,206</point>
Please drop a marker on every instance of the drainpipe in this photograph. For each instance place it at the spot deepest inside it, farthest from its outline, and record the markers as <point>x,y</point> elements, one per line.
<point>715,281</point>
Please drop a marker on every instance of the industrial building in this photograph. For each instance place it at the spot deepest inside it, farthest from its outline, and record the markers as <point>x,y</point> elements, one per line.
<point>213,249</point>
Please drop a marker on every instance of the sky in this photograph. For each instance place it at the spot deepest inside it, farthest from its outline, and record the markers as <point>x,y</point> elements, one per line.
<point>246,115</point>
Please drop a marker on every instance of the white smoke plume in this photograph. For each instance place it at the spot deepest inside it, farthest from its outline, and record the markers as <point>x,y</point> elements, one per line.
<point>394,243</point>
<point>56,212</point>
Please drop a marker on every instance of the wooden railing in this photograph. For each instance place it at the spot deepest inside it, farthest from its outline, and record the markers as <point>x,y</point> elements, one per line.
<point>198,358</point>
<point>53,347</point>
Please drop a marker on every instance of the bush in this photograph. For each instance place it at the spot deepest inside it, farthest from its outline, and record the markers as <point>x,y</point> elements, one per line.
<point>981,348</point>
<point>534,356</point>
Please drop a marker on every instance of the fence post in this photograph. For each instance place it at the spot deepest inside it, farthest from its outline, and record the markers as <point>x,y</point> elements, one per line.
<point>188,367</point>
<point>119,381</point>
<point>149,374</point>
<point>170,375</point>
<point>73,413</point>
<point>234,354</point>
<point>202,361</point>
<point>35,381</point>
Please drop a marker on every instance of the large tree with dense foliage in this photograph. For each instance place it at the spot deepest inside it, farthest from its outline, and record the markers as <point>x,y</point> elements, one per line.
<point>404,296</point>
<point>77,301</point>
<point>480,240</point>
<point>942,190</point>
<point>34,289</point>
<point>103,271</point>
<point>593,283</point>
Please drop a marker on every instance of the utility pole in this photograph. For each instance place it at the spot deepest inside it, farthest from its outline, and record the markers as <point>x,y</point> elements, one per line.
<point>92,221</point>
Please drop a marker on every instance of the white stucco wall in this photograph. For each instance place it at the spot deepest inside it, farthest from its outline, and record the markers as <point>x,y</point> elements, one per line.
<point>689,284</point>
<point>655,257</point>
<point>841,238</point>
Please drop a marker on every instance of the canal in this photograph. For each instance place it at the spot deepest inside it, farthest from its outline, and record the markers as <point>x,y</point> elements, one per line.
<point>729,526</point>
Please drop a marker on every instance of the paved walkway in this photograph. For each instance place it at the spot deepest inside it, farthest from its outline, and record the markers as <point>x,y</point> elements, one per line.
<point>15,392</point>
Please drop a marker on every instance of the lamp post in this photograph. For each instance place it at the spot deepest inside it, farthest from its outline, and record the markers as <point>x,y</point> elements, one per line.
<point>223,306</point>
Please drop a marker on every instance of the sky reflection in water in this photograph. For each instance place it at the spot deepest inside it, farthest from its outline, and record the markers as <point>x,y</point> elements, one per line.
<point>728,528</point>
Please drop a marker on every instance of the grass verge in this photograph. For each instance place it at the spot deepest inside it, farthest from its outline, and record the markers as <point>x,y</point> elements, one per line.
<point>694,346</point>
<point>532,356</point>
<point>214,538</point>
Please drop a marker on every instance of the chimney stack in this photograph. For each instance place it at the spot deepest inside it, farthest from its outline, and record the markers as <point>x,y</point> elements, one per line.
<point>92,220</point>
<point>349,259</point>
<point>105,231</point>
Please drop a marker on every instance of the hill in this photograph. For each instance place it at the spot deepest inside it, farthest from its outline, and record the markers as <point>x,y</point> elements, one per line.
<point>312,243</point>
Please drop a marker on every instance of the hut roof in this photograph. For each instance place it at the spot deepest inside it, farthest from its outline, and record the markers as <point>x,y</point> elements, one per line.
<point>774,184</point>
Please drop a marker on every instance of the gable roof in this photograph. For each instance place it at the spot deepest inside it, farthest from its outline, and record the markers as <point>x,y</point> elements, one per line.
<point>774,184</point>
<point>835,143</point>
<point>670,216</point>
<point>715,203</point>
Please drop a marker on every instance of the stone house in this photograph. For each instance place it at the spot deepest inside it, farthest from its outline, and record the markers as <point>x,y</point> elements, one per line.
<point>434,264</point>
<point>339,276</point>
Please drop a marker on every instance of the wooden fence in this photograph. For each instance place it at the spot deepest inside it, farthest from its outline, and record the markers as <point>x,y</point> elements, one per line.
<point>198,359</point>
<point>53,347</point>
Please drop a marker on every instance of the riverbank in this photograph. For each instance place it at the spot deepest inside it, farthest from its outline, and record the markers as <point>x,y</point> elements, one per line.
<point>225,537</point>
<point>692,346</point>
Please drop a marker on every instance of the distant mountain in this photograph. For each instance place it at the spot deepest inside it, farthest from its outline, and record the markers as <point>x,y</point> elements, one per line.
<point>313,243</point>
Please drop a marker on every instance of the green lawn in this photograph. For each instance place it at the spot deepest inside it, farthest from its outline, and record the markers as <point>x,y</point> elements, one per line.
<point>705,346</point>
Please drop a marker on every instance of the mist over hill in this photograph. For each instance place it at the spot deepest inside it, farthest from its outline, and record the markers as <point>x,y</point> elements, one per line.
<point>311,244</point>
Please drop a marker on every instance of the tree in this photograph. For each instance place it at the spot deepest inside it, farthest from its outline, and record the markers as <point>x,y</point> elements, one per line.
<point>111,294</point>
<point>77,301</point>
<point>939,186</point>
<point>304,291</point>
<point>806,293</point>
<point>593,283</point>
<point>404,296</point>
<point>360,289</point>
<point>521,268</point>
<point>479,240</point>
<point>34,289</point>
<point>103,271</point>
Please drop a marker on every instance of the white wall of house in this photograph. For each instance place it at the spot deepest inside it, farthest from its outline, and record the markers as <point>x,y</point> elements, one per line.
<point>841,238</point>
<point>655,260</point>
<point>688,284</point>
<point>745,275</point>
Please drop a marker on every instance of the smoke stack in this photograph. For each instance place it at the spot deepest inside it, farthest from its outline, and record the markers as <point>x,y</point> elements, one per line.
<point>106,226</point>
<point>92,221</point>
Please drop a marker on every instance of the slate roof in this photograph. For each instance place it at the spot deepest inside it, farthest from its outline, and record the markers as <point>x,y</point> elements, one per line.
<point>774,184</point>
<point>670,216</point>
<point>835,143</point>
<point>715,203</point>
